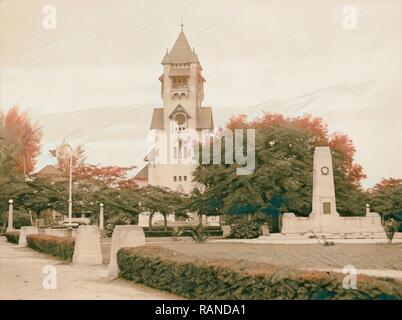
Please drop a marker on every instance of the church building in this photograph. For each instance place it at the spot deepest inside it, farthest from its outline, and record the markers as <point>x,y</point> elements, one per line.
<point>180,123</point>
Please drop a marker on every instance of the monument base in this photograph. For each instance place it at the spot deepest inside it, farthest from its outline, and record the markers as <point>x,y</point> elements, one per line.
<point>309,239</point>
<point>124,236</point>
<point>24,232</point>
<point>87,249</point>
<point>368,226</point>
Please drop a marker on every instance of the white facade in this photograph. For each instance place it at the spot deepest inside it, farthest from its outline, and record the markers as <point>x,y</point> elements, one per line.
<point>179,123</point>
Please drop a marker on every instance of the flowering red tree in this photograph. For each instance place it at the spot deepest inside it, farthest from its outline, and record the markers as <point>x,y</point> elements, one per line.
<point>22,139</point>
<point>317,130</point>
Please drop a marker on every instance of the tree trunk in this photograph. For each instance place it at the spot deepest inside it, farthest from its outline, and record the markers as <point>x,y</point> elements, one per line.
<point>165,222</point>
<point>151,215</point>
<point>200,219</point>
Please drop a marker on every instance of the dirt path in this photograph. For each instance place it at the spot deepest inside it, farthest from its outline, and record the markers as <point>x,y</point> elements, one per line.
<point>21,277</point>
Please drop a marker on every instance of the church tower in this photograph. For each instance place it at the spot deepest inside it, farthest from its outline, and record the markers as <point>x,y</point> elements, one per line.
<point>178,124</point>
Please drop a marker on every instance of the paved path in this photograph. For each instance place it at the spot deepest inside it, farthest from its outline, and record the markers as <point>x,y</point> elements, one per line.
<point>21,277</point>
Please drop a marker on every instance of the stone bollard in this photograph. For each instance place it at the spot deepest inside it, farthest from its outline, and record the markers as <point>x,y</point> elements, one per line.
<point>69,232</point>
<point>87,249</point>
<point>24,232</point>
<point>226,230</point>
<point>265,230</point>
<point>10,225</point>
<point>124,236</point>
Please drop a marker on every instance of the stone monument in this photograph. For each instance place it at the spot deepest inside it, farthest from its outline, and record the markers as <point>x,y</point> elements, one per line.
<point>324,218</point>
<point>124,236</point>
<point>24,232</point>
<point>87,249</point>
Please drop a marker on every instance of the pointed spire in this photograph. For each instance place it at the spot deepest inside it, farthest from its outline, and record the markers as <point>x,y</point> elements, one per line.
<point>181,51</point>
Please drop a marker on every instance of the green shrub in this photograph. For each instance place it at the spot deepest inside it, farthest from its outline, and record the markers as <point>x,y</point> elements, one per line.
<point>198,233</point>
<point>158,233</point>
<point>3,231</point>
<point>182,233</point>
<point>62,247</point>
<point>391,226</point>
<point>183,227</point>
<point>194,278</point>
<point>20,219</point>
<point>13,236</point>
<point>247,230</point>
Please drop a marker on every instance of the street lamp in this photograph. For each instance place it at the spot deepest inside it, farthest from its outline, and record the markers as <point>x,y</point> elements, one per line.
<point>70,193</point>
<point>63,151</point>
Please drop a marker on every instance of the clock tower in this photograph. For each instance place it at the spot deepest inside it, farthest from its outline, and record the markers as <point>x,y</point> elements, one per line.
<point>179,123</point>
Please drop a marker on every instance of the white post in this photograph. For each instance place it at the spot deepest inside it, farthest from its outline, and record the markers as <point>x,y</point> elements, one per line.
<point>30,216</point>
<point>70,196</point>
<point>367,208</point>
<point>101,226</point>
<point>10,226</point>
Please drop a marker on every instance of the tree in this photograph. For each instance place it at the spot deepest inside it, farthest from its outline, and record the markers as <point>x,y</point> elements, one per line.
<point>161,200</point>
<point>22,141</point>
<point>109,176</point>
<point>202,202</point>
<point>386,198</point>
<point>64,152</point>
<point>282,180</point>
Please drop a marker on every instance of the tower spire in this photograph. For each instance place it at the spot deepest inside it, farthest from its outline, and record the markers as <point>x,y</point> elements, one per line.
<point>182,25</point>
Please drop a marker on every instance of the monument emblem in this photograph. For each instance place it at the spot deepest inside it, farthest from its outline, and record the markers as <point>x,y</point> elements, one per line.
<point>324,217</point>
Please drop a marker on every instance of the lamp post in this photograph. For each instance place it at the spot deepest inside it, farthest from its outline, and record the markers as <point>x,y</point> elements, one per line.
<point>62,151</point>
<point>70,194</point>
<point>10,226</point>
<point>101,227</point>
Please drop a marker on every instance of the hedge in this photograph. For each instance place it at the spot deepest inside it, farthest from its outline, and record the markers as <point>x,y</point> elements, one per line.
<point>161,233</point>
<point>13,236</point>
<point>194,278</point>
<point>62,247</point>
<point>248,230</point>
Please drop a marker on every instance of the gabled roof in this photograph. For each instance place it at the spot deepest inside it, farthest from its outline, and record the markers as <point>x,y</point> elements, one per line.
<point>50,170</point>
<point>142,174</point>
<point>157,119</point>
<point>181,52</point>
<point>51,173</point>
<point>204,118</point>
<point>178,109</point>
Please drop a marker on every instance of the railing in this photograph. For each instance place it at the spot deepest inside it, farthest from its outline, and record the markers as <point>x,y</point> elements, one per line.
<point>179,86</point>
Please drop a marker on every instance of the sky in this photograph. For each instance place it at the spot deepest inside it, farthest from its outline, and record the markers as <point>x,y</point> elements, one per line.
<point>94,79</point>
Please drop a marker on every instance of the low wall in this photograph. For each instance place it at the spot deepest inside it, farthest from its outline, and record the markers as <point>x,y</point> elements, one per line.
<point>58,232</point>
<point>371,223</point>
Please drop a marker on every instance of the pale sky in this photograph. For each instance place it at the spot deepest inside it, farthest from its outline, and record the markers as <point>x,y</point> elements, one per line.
<point>94,79</point>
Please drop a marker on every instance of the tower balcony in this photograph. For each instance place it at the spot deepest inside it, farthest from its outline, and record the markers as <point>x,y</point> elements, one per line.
<point>180,91</point>
<point>179,86</point>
